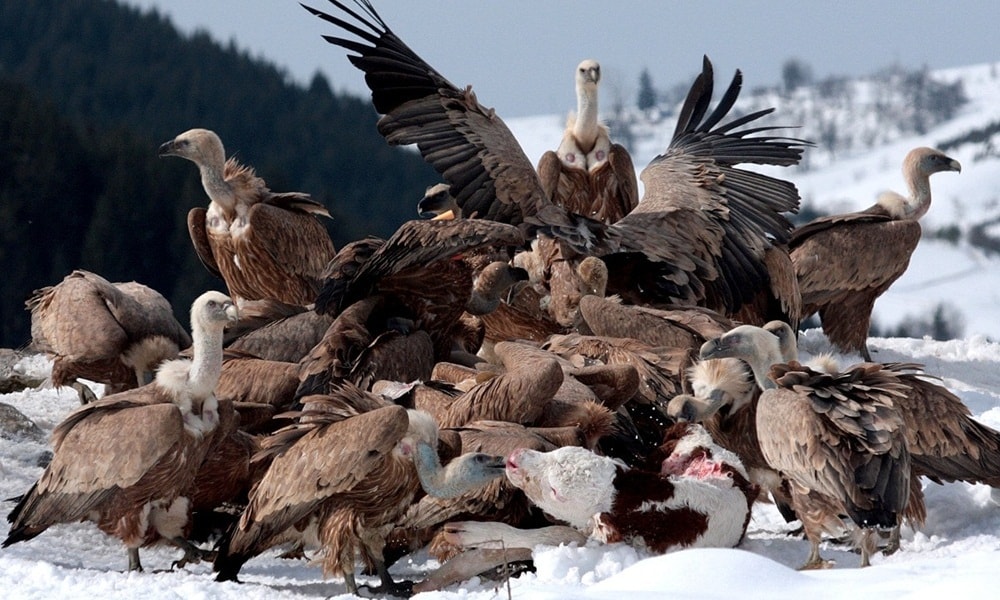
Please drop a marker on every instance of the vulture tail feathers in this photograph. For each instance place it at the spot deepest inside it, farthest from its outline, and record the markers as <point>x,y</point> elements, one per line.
<point>227,565</point>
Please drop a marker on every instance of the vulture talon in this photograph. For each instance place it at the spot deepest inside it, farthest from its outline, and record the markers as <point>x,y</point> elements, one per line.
<point>192,554</point>
<point>397,589</point>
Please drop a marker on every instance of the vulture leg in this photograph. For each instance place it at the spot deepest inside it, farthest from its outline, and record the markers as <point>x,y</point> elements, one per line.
<point>352,585</point>
<point>192,553</point>
<point>86,394</point>
<point>133,560</point>
<point>892,545</point>
<point>296,553</point>
<point>400,589</point>
<point>869,544</point>
<point>815,561</point>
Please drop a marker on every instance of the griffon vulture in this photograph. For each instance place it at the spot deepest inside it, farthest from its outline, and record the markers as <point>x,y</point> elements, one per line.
<point>838,438</point>
<point>419,272</point>
<point>128,462</point>
<point>498,500</point>
<point>111,333</point>
<point>360,348</point>
<point>353,478</point>
<point>588,174</point>
<point>698,237</point>
<point>264,245</point>
<point>845,262</point>
<point>946,444</point>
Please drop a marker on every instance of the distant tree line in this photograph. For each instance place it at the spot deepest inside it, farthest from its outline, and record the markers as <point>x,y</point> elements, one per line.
<point>88,91</point>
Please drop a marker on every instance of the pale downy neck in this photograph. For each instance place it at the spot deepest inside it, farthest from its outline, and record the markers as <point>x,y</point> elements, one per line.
<point>206,364</point>
<point>918,202</point>
<point>919,183</point>
<point>586,128</point>
<point>213,180</point>
<point>760,361</point>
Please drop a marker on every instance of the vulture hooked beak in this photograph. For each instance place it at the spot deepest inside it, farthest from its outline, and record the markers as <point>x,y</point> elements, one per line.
<point>232,313</point>
<point>168,148</point>
<point>496,465</point>
<point>691,409</point>
<point>714,348</point>
<point>437,202</point>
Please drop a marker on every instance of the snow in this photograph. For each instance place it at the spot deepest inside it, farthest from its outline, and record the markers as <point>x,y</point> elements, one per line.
<point>956,551</point>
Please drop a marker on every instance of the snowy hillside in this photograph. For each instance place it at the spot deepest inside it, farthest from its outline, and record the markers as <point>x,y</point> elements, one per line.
<point>850,178</point>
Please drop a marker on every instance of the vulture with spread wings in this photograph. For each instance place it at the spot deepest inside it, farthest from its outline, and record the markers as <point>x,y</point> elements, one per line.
<point>698,237</point>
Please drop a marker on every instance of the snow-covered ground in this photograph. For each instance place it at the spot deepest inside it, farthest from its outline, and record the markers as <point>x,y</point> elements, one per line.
<point>955,553</point>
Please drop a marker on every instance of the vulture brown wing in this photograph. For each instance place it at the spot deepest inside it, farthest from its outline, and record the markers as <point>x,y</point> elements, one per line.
<point>616,189</point>
<point>65,318</point>
<point>293,245</point>
<point>150,315</point>
<point>854,438</point>
<point>472,148</point>
<point>946,443</point>
<point>330,459</point>
<point>416,244</point>
<point>199,237</point>
<point>863,254</point>
<point>550,174</point>
<point>700,233</point>
<point>93,460</point>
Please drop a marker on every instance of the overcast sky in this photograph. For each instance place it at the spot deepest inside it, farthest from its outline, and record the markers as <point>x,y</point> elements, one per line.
<point>520,55</point>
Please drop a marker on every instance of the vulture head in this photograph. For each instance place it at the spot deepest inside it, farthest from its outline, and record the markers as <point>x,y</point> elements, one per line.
<point>918,166</point>
<point>588,74</point>
<point>463,473</point>
<point>438,203</point>
<point>200,146</point>
<point>593,274</point>
<point>685,408</point>
<point>492,284</point>
<point>928,161</point>
<point>755,345</point>
<point>213,311</point>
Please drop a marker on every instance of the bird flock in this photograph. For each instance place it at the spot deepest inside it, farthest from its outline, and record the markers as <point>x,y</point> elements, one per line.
<point>544,357</point>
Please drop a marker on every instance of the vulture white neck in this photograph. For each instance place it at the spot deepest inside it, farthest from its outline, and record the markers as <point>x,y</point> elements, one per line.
<point>920,191</point>
<point>915,205</point>
<point>766,352</point>
<point>206,364</point>
<point>761,366</point>
<point>586,128</point>
<point>218,189</point>
<point>191,383</point>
